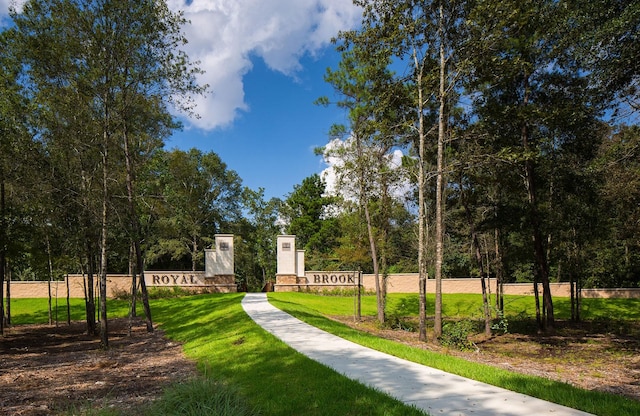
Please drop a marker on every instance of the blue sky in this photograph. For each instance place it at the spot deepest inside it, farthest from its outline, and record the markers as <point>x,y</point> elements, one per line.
<point>264,61</point>
<point>271,143</point>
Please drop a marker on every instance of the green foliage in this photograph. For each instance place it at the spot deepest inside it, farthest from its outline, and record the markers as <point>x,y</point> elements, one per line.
<point>501,324</point>
<point>168,292</point>
<point>400,323</point>
<point>201,197</point>
<point>201,396</point>
<point>306,213</point>
<point>455,334</point>
<point>230,347</point>
<point>589,401</point>
<point>341,292</point>
<point>154,293</point>
<point>256,244</point>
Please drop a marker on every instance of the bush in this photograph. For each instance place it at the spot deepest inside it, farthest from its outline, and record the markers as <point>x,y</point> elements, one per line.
<point>456,334</point>
<point>169,292</point>
<point>400,323</point>
<point>338,291</point>
<point>501,324</point>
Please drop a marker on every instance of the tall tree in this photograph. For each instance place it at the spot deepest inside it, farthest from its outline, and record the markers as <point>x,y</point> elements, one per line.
<point>264,221</point>
<point>363,83</point>
<point>426,36</point>
<point>118,59</point>
<point>202,197</point>
<point>615,259</point>
<point>305,211</point>
<point>533,101</point>
<point>14,150</point>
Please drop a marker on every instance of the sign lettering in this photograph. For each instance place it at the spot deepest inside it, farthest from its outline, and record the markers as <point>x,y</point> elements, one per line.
<point>334,279</point>
<point>178,279</point>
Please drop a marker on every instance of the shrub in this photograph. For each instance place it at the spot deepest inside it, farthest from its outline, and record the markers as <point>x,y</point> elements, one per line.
<point>500,324</point>
<point>400,323</point>
<point>456,334</point>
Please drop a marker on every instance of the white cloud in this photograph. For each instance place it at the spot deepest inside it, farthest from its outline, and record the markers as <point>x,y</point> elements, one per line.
<point>224,35</point>
<point>340,182</point>
<point>334,164</point>
<point>4,10</point>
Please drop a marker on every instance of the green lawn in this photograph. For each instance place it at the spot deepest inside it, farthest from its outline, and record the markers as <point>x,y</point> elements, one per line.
<point>465,306</point>
<point>36,310</point>
<point>312,309</point>
<point>229,346</point>
<point>235,354</point>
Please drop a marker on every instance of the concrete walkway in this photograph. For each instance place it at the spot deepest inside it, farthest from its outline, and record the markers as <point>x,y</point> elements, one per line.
<point>433,391</point>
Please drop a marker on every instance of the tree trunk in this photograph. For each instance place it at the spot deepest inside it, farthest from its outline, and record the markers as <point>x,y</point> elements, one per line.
<point>536,295</point>
<point>194,244</point>
<point>2,317</point>
<point>437,325</point>
<point>499,274</point>
<point>68,302</point>
<point>542,269</point>
<point>7,316</point>
<point>422,217</point>
<point>364,203</point>
<point>3,249</point>
<point>578,299</point>
<point>49,280</point>
<point>143,289</point>
<point>572,290</point>
<point>478,255</point>
<point>137,236</point>
<point>104,334</point>
<point>359,298</point>
<point>376,271</point>
<point>89,298</point>
<point>134,285</point>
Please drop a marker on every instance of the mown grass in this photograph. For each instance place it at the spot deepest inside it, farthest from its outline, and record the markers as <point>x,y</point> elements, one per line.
<point>246,367</point>
<point>272,377</point>
<point>312,308</point>
<point>36,310</point>
<point>467,306</point>
<point>245,370</point>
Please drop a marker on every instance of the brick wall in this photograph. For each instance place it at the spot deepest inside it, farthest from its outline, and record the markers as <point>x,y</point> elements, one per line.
<point>115,284</point>
<point>120,283</point>
<point>397,283</point>
<point>408,283</point>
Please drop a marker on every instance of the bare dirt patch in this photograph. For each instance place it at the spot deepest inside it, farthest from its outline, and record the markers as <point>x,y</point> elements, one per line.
<point>593,356</point>
<point>48,370</point>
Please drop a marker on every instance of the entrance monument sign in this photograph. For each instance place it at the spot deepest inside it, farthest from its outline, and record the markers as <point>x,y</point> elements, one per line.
<point>219,268</point>
<point>291,275</point>
<point>290,267</point>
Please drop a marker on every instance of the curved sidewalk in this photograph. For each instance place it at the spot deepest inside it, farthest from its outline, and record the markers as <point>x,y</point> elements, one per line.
<point>431,390</point>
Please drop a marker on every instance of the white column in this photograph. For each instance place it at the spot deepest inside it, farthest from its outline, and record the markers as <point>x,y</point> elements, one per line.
<point>286,255</point>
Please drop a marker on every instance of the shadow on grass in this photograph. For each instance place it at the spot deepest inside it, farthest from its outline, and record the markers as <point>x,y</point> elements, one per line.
<point>594,402</point>
<point>229,346</point>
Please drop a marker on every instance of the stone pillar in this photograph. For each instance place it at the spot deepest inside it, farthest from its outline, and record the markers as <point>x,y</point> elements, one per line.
<point>300,272</point>
<point>287,271</point>
<point>219,265</point>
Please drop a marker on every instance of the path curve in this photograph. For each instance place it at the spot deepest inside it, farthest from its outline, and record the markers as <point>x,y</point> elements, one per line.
<point>429,389</point>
